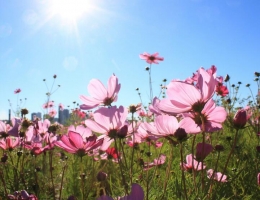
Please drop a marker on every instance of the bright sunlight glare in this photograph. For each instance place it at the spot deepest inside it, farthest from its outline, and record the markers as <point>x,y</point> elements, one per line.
<point>70,10</point>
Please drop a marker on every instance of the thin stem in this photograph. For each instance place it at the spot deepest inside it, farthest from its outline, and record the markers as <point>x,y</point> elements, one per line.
<point>194,171</point>
<point>51,169</point>
<point>212,177</point>
<point>62,178</point>
<point>3,181</point>
<point>133,150</point>
<point>120,167</point>
<point>182,172</point>
<point>229,156</point>
<point>168,170</point>
<point>150,83</point>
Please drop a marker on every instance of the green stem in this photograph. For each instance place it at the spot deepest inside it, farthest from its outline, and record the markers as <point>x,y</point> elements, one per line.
<point>182,172</point>
<point>51,169</point>
<point>133,150</point>
<point>168,171</point>
<point>121,170</point>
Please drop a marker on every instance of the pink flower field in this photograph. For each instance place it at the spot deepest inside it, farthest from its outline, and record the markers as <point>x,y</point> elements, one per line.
<point>197,141</point>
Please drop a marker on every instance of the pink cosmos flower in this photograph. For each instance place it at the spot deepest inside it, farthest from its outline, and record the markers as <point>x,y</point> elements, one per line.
<point>49,104</point>
<point>100,95</point>
<point>79,113</point>
<point>221,90</point>
<point>23,195</point>
<point>112,153</point>
<point>9,143</point>
<point>42,127</point>
<point>154,107</point>
<point>140,135</point>
<point>151,58</point>
<point>212,115</point>
<point>165,125</point>
<point>108,121</point>
<point>52,113</point>
<point>17,91</point>
<point>14,131</point>
<point>184,97</point>
<point>216,176</point>
<point>4,128</point>
<point>157,161</point>
<point>74,143</point>
<point>191,164</point>
<point>34,147</point>
<point>61,106</point>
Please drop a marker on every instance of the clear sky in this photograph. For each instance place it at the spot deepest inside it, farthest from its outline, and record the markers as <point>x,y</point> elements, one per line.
<point>40,38</point>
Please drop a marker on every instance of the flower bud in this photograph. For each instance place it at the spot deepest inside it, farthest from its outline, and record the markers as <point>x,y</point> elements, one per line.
<point>101,176</point>
<point>257,74</point>
<point>122,132</point>
<point>72,198</point>
<point>203,150</point>
<point>240,119</point>
<point>219,147</point>
<point>4,158</point>
<point>227,78</point>
<point>180,134</point>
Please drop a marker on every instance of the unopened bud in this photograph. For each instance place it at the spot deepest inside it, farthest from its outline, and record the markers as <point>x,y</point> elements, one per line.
<point>240,119</point>
<point>180,134</point>
<point>227,78</point>
<point>122,132</point>
<point>4,158</point>
<point>101,176</point>
<point>219,147</point>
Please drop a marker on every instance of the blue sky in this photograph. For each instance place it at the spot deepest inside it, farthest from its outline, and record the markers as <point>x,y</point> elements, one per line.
<point>38,40</point>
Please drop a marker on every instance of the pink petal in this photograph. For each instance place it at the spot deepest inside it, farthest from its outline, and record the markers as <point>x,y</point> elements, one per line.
<point>167,106</point>
<point>97,90</point>
<point>166,125</point>
<point>189,125</point>
<point>76,139</point>
<point>95,126</point>
<point>89,102</point>
<point>113,86</point>
<point>65,147</point>
<point>183,92</point>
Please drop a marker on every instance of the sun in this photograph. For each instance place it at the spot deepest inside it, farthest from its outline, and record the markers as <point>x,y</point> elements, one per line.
<point>70,10</point>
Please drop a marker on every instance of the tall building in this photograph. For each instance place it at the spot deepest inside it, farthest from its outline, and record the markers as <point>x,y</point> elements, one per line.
<point>36,115</point>
<point>63,115</point>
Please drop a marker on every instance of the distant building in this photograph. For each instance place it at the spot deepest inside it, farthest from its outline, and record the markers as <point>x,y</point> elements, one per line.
<point>63,115</point>
<point>36,115</point>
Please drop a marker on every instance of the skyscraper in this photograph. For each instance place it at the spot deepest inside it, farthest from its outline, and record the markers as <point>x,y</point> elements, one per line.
<point>63,115</point>
<point>36,115</point>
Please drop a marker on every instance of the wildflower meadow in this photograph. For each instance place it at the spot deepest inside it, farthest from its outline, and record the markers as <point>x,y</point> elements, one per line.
<point>192,141</point>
